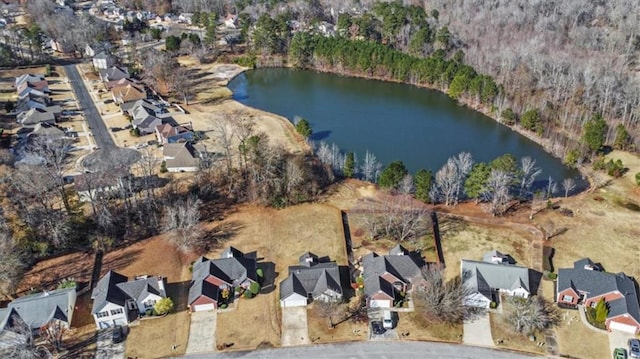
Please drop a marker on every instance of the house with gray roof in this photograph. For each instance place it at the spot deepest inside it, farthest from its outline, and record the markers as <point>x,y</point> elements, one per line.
<point>113,73</point>
<point>103,61</point>
<point>35,116</point>
<point>180,157</point>
<point>144,120</point>
<point>492,276</point>
<point>232,273</point>
<point>387,279</point>
<point>587,282</point>
<point>311,280</point>
<point>118,300</point>
<point>36,310</point>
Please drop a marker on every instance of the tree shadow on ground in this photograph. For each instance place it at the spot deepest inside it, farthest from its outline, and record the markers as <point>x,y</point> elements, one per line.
<point>179,294</point>
<point>269,280</point>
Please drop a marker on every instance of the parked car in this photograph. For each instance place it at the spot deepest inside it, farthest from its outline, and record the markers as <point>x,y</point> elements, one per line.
<point>387,320</point>
<point>118,334</point>
<point>620,353</point>
<point>377,327</point>
<point>634,348</point>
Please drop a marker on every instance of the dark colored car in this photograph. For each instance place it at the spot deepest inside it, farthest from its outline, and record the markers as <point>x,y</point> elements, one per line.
<point>118,334</point>
<point>634,348</point>
<point>377,327</point>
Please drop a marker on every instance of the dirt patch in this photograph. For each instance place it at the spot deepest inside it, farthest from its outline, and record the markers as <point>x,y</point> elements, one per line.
<point>346,329</point>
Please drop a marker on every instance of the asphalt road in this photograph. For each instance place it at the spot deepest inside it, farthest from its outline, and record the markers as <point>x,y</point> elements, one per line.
<point>96,124</point>
<point>371,350</point>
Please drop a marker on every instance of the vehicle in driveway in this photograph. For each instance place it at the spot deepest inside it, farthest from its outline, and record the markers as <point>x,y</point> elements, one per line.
<point>377,327</point>
<point>387,319</point>
<point>634,348</point>
<point>620,353</point>
<point>118,334</point>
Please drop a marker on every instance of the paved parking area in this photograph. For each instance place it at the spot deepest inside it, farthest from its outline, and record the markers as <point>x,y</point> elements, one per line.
<point>202,332</point>
<point>295,329</point>
<point>618,340</point>
<point>478,332</point>
<point>105,347</point>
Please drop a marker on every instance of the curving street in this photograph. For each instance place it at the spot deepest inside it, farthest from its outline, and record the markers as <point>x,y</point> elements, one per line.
<point>371,350</point>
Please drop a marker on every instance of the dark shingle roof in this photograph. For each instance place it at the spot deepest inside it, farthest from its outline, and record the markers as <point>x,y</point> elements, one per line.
<point>401,266</point>
<point>596,282</point>
<point>205,288</point>
<point>107,291</point>
<point>312,278</point>
<point>234,268</point>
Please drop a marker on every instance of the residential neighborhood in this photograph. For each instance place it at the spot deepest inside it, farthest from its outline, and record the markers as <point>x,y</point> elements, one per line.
<point>154,205</point>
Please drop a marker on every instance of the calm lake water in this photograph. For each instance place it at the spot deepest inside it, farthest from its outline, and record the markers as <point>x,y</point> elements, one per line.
<point>420,127</point>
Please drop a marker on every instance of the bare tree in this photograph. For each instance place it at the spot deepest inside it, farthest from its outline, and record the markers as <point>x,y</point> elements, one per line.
<point>526,315</point>
<point>568,185</point>
<point>51,154</point>
<point>407,186</point>
<point>443,300</point>
<point>328,310</point>
<point>224,134</point>
<point>398,217</point>
<point>446,183</point>
<point>528,174</point>
<point>497,192</point>
<point>181,219</point>
<point>53,332</point>
<point>552,187</point>
<point>464,164</point>
<point>370,168</point>
<point>19,341</point>
<point>11,265</point>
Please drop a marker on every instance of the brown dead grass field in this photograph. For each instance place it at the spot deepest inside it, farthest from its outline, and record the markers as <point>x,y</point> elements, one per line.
<point>345,329</point>
<point>601,228</point>
<point>503,335</point>
<point>576,340</point>
<point>154,338</point>
<point>417,328</point>
<point>280,237</point>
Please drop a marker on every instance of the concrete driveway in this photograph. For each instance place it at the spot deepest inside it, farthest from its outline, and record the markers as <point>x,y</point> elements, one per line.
<point>295,329</point>
<point>478,332</point>
<point>202,332</point>
<point>105,347</point>
<point>618,340</point>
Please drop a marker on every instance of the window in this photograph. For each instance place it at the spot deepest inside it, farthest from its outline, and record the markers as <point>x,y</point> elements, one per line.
<point>102,314</point>
<point>567,298</point>
<point>116,311</point>
<point>149,303</point>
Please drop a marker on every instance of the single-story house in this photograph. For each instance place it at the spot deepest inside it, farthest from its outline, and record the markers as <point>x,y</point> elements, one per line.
<point>311,280</point>
<point>387,278</point>
<point>118,300</point>
<point>128,93</point>
<point>493,275</point>
<point>232,272</point>
<point>47,130</point>
<point>587,282</point>
<point>36,310</point>
<point>167,133</point>
<point>128,107</point>
<point>144,120</point>
<point>113,73</point>
<point>180,157</point>
<point>185,18</point>
<point>36,115</point>
<point>122,83</point>
<point>103,61</point>
<point>90,185</point>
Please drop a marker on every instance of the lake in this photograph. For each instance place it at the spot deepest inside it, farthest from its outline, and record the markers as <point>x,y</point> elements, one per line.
<point>418,126</point>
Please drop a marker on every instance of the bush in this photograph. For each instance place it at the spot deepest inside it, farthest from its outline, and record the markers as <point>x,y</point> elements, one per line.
<point>571,158</point>
<point>223,306</point>
<point>303,127</point>
<point>163,306</point>
<point>638,178</point>
<point>615,168</point>
<point>163,169</point>
<point>148,312</point>
<point>254,288</point>
<point>493,305</point>
<point>259,273</point>
<point>67,283</point>
<point>247,294</point>
<point>508,117</point>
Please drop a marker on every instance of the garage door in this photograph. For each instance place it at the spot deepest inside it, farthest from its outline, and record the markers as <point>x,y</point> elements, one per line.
<point>380,303</point>
<point>293,302</point>
<point>622,327</point>
<point>120,321</point>
<point>203,307</point>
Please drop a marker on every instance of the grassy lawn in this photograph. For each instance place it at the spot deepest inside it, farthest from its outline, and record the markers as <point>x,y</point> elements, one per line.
<point>346,330</point>
<point>506,338</point>
<point>154,338</point>
<point>254,323</point>
<point>280,237</point>
<point>418,328</point>
<point>576,340</point>
<point>600,222</point>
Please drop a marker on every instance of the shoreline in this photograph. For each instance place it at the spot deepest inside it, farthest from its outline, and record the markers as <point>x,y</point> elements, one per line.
<point>586,173</point>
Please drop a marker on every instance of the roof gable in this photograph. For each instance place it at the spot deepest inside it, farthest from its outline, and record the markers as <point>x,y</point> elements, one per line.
<point>477,275</point>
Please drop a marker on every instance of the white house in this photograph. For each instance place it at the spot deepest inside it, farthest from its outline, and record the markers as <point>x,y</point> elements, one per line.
<point>118,301</point>
<point>493,276</point>
<point>103,61</point>
<point>185,18</point>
